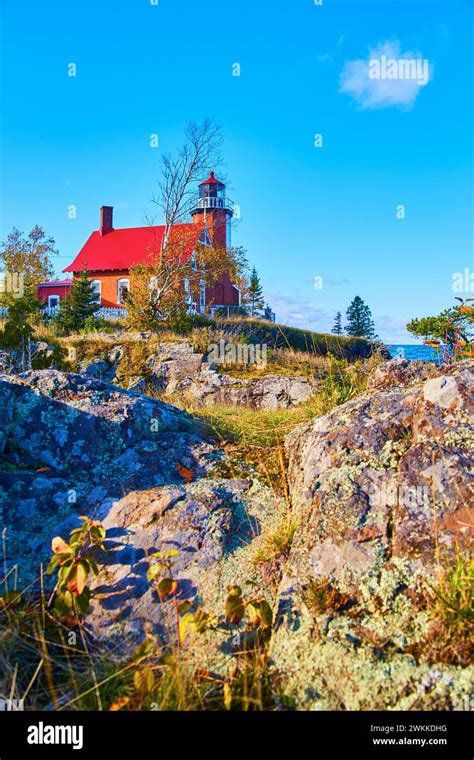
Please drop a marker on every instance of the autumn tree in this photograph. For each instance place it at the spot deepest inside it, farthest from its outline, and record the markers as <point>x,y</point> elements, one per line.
<point>23,312</point>
<point>359,320</point>
<point>170,282</point>
<point>29,254</point>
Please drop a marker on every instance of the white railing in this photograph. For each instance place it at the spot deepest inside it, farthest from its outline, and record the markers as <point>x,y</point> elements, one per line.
<point>49,311</point>
<point>214,202</point>
<point>112,313</point>
<point>104,312</point>
<point>237,311</point>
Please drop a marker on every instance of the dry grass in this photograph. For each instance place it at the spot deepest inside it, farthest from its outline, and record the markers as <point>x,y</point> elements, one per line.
<point>323,596</point>
<point>276,544</point>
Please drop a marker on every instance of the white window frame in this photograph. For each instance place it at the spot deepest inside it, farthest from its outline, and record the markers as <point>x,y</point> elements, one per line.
<point>121,281</point>
<point>202,296</point>
<point>99,291</point>
<point>238,291</point>
<point>55,305</point>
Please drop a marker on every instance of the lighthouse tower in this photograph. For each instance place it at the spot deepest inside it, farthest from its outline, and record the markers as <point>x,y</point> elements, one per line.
<point>214,211</point>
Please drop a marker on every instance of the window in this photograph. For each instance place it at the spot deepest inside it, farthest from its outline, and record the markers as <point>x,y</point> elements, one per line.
<point>96,289</point>
<point>53,302</point>
<point>123,286</point>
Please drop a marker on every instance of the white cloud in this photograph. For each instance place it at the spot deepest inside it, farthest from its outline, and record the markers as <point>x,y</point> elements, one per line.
<point>299,312</point>
<point>399,81</point>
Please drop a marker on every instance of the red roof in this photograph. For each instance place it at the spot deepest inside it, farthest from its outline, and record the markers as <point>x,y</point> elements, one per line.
<point>211,180</point>
<point>122,249</point>
<point>55,284</point>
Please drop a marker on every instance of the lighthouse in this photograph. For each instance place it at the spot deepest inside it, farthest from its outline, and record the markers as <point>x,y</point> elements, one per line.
<point>214,211</point>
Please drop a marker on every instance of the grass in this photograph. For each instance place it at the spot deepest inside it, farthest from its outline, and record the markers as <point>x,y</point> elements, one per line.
<point>257,436</point>
<point>454,593</point>
<point>276,544</point>
<point>283,336</point>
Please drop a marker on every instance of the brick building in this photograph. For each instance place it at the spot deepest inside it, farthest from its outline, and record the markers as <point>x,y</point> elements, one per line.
<point>109,253</point>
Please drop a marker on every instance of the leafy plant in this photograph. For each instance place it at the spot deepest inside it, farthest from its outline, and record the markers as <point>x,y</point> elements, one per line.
<point>257,609</point>
<point>160,573</point>
<point>75,564</point>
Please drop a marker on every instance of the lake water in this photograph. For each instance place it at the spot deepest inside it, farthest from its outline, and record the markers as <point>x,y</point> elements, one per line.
<point>420,352</point>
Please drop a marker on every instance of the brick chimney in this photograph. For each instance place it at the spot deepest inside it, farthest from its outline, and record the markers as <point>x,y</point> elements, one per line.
<point>106,219</point>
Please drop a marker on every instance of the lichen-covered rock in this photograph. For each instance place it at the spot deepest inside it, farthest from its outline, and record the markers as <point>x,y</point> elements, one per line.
<point>382,488</point>
<point>98,368</point>
<point>380,474</point>
<point>269,392</point>
<point>75,445</point>
<point>209,522</point>
<point>173,364</point>
<point>88,440</point>
<point>76,423</point>
<point>400,372</point>
<point>176,368</point>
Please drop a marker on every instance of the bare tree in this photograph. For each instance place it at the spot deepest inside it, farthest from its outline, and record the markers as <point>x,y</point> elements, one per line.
<point>200,152</point>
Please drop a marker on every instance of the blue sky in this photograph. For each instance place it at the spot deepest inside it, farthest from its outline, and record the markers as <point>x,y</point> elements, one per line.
<point>306,212</point>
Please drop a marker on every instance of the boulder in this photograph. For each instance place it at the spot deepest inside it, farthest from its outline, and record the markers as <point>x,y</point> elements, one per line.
<point>79,424</point>
<point>382,491</point>
<point>208,523</point>
<point>96,368</point>
<point>401,372</point>
<point>75,445</point>
<point>398,455</point>
<point>176,368</point>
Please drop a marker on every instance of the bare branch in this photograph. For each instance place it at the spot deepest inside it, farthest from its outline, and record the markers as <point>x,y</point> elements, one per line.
<point>200,152</point>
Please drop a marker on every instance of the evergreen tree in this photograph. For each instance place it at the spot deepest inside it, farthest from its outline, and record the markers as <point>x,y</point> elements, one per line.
<point>337,328</point>
<point>255,293</point>
<point>359,320</point>
<point>80,304</point>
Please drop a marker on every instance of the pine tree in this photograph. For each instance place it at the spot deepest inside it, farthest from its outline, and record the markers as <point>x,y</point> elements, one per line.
<point>80,304</point>
<point>337,328</point>
<point>359,320</point>
<point>255,293</point>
